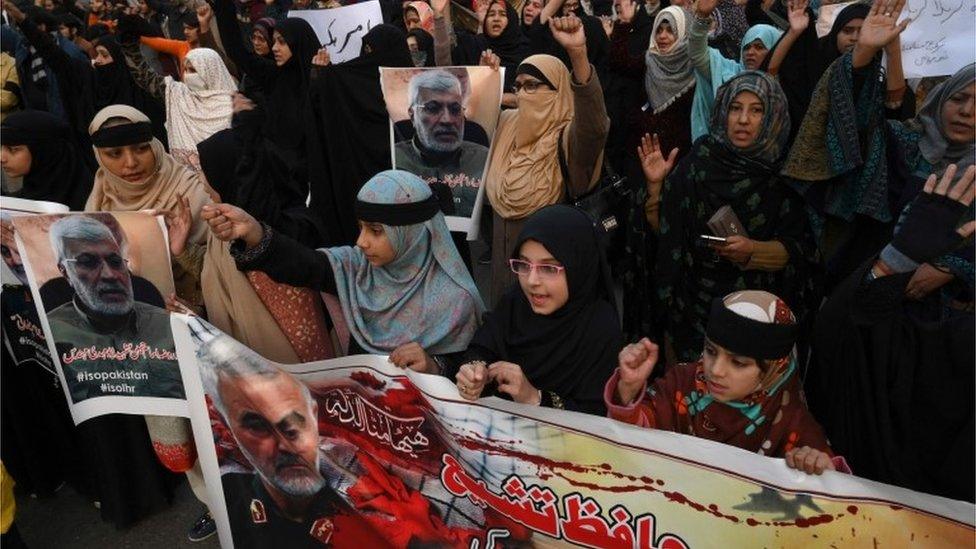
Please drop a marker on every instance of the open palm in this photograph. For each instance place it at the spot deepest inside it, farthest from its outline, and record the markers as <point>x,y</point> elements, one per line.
<point>881,25</point>
<point>653,163</point>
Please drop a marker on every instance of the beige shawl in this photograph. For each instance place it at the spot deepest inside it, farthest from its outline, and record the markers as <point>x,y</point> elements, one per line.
<point>161,191</point>
<point>523,172</point>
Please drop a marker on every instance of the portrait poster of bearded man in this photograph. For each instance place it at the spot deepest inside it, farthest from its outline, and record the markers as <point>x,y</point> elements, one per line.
<point>99,280</point>
<point>442,120</point>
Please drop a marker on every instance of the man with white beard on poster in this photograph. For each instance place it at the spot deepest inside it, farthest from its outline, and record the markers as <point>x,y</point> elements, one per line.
<point>108,343</point>
<point>438,152</point>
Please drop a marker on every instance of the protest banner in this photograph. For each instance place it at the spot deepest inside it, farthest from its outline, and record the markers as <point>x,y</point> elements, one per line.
<point>939,40</point>
<point>341,30</point>
<point>354,452</point>
<point>99,280</point>
<point>442,120</point>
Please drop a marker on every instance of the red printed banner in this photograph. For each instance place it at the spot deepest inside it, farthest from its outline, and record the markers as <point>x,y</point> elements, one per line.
<point>353,452</point>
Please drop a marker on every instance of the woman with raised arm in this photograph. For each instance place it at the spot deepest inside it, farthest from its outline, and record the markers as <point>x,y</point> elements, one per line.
<point>549,148</point>
<point>737,165</point>
<point>859,179</point>
<point>712,69</point>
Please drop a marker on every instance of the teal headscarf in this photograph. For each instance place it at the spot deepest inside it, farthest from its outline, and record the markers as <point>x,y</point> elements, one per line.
<point>425,295</point>
<point>722,70</point>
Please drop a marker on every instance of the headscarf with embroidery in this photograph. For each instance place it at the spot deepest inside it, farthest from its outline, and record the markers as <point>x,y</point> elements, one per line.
<point>772,419</point>
<point>873,166</point>
<point>424,295</point>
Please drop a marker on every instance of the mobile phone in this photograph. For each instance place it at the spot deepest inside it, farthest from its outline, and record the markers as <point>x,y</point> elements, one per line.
<point>709,238</point>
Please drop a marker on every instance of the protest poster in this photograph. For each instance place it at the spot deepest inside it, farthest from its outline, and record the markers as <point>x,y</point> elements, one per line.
<point>939,40</point>
<point>341,30</point>
<point>99,280</point>
<point>442,120</point>
<point>354,452</point>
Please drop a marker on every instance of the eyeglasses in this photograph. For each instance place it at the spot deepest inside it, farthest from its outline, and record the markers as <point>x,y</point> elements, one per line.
<point>525,268</point>
<point>92,262</point>
<point>530,86</point>
<point>434,108</point>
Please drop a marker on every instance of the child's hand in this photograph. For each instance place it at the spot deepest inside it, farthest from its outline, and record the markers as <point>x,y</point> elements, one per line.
<point>809,460</point>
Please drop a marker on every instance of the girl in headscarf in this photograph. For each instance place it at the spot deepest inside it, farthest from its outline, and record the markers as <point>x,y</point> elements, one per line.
<point>712,69</point>
<point>860,178</point>
<point>136,173</point>
<point>503,36</point>
<point>284,79</point>
<point>114,85</point>
<point>669,83</point>
<point>737,165</point>
<point>742,390</point>
<point>403,289</point>
<point>552,339</point>
<point>197,107</point>
<point>54,169</point>
<point>547,149</point>
<point>418,15</point>
<point>262,38</point>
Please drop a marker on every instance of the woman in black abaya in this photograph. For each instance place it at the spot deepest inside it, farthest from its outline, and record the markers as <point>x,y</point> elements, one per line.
<point>349,130</point>
<point>114,85</point>
<point>57,171</point>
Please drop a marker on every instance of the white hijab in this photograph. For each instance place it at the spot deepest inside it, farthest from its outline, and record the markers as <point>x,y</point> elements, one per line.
<point>193,115</point>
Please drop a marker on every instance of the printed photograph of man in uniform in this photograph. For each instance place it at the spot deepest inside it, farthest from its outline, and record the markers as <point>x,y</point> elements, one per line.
<point>287,486</point>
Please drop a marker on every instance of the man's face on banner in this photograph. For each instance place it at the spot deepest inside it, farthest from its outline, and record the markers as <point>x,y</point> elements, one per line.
<point>276,428</point>
<point>438,119</point>
<point>99,275</point>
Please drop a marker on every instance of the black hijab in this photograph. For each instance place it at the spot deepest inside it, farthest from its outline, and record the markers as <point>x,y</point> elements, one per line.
<point>58,172</point>
<point>288,98</point>
<point>114,86</point>
<point>511,46</point>
<point>349,129</point>
<point>828,44</point>
<point>425,45</point>
<point>573,351</point>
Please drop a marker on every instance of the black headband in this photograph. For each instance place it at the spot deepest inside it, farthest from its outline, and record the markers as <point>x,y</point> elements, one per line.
<point>125,134</point>
<point>532,70</point>
<point>409,213</point>
<point>747,337</point>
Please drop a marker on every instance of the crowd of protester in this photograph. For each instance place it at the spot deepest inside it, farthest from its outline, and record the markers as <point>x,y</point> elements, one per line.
<point>848,276</point>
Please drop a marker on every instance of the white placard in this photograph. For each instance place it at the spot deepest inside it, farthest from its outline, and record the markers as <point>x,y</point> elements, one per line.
<point>940,40</point>
<point>341,30</point>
